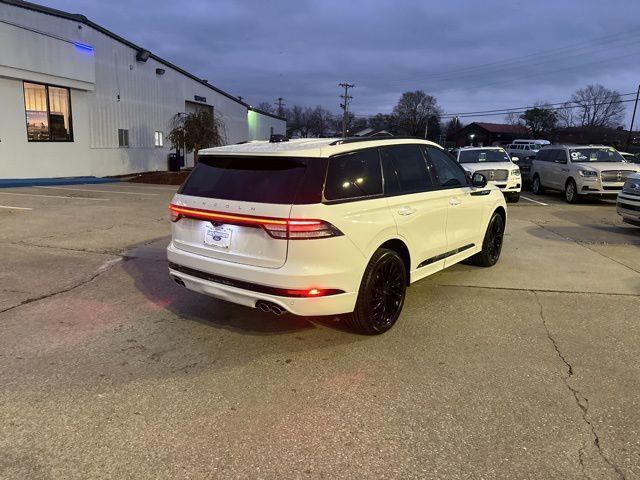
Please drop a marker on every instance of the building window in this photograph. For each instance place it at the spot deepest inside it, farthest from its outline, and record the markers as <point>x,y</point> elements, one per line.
<point>159,139</point>
<point>48,112</point>
<point>123,137</point>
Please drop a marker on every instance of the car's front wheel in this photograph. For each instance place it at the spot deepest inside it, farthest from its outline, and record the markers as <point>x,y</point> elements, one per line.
<point>536,185</point>
<point>381,295</point>
<point>571,191</point>
<point>513,197</point>
<point>492,243</point>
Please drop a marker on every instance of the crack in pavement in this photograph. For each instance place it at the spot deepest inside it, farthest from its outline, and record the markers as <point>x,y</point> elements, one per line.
<point>534,290</point>
<point>105,267</point>
<point>581,401</point>
<point>583,245</point>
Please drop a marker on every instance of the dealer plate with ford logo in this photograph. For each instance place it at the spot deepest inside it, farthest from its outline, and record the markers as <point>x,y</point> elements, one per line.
<point>217,235</point>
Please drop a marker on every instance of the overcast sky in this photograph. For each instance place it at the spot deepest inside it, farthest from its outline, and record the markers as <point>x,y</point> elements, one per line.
<point>472,55</point>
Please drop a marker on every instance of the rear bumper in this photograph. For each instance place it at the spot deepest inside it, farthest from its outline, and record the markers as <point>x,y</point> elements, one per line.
<point>238,290</point>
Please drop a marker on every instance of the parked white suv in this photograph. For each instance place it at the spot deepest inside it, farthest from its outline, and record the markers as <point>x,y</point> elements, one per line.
<point>329,226</point>
<point>496,165</point>
<point>580,170</point>
<point>628,204</point>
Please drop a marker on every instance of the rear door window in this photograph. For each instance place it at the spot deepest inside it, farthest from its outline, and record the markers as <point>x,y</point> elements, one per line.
<point>354,175</point>
<point>405,170</point>
<point>449,173</point>
<point>251,179</point>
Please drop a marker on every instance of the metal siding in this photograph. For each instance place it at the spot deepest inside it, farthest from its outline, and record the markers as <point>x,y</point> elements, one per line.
<point>147,101</point>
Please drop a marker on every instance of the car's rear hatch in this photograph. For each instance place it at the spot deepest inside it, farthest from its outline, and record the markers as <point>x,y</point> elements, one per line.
<point>239,194</point>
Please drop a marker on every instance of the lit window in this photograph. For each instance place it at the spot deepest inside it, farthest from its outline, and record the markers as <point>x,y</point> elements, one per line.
<point>159,139</point>
<point>48,112</point>
<point>123,137</point>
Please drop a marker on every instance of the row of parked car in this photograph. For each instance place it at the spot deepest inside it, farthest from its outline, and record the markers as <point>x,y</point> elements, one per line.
<point>577,170</point>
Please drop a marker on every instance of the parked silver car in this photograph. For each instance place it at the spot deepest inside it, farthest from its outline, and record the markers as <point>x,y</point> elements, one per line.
<point>580,170</point>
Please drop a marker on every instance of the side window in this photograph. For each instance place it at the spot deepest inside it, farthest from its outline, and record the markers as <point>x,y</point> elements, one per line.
<point>561,156</point>
<point>353,175</point>
<point>542,155</point>
<point>449,172</point>
<point>405,170</point>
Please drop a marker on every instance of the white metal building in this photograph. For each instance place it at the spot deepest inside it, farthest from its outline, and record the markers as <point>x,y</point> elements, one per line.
<point>78,100</point>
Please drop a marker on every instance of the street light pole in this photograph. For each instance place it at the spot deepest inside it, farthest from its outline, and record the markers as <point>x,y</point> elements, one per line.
<point>426,126</point>
<point>633,117</point>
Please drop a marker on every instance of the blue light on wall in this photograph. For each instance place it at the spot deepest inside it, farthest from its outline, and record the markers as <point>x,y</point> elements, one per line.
<point>83,47</point>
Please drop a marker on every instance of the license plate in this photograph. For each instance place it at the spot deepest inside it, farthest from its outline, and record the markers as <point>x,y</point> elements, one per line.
<point>217,236</point>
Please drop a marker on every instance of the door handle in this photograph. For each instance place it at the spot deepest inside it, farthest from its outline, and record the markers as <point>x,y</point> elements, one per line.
<point>406,211</point>
<point>454,202</point>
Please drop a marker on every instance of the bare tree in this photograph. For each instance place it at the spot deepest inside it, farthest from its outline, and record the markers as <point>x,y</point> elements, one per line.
<point>513,118</point>
<point>320,121</point>
<point>413,110</point>
<point>197,130</point>
<point>566,115</point>
<point>266,107</point>
<point>598,106</point>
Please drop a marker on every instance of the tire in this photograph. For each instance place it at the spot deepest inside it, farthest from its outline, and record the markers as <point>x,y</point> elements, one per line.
<point>571,192</point>
<point>492,243</point>
<point>381,294</point>
<point>513,197</point>
<point>536,185</point>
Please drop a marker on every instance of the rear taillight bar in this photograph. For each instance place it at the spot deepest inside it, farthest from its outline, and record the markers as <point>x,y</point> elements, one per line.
<point>280,228</point>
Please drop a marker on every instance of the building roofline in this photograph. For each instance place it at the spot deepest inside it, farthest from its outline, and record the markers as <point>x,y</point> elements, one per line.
<point>76,17</point>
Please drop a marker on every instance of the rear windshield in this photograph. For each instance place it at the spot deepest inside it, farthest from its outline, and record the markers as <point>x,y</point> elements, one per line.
<point>250,179</point>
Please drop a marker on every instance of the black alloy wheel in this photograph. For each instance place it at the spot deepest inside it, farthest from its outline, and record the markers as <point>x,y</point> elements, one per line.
<point>381,295</point>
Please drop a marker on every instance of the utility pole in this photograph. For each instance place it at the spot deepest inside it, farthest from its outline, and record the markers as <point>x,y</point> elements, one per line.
<point>633,117</point>
<point>280,103</point>
<point>426,126</point>
<point>346,99</point>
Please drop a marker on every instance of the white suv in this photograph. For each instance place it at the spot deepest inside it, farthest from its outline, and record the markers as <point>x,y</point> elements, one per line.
<point>496,165</point>
<point>580,171</point>
<point>329,226</point>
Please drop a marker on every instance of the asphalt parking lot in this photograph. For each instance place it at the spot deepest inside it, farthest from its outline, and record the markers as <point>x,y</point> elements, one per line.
<point>108,369</point>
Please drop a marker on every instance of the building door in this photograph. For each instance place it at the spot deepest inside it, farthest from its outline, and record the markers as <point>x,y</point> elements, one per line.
<point>193,107</point>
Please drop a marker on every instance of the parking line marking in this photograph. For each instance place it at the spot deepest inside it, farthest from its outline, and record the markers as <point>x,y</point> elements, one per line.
<point>100,191</point>
<point>9,207</point>
<point>144,186</point>
<point>534,201</point>
<point>54,196</point>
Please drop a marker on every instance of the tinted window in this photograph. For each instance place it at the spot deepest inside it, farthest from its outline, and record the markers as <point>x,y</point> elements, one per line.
<point>250,179</point>
<point>354,175</point>
<point>543,155</point>
<point>449,173</point>
<point>405,170</point>
<point>560,156</point>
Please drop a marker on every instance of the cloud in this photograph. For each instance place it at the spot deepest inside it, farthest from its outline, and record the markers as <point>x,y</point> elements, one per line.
<point>471,55</point>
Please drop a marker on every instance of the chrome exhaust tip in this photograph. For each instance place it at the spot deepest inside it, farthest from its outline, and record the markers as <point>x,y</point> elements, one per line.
<point>270,307</point>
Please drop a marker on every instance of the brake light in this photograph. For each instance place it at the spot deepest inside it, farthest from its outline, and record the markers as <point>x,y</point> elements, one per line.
<point>280,228</point>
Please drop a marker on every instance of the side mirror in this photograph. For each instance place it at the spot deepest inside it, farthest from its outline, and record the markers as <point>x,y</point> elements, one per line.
<point>515,159</point>
<point>478,180</point>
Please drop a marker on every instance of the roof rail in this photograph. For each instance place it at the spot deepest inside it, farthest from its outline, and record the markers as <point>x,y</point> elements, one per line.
<point>342,141</point>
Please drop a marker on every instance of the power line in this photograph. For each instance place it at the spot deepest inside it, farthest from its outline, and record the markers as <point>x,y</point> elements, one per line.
<point>521,108</point>
<point>523,111</point>
<point>512,62</point>
<point>346,99</point>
